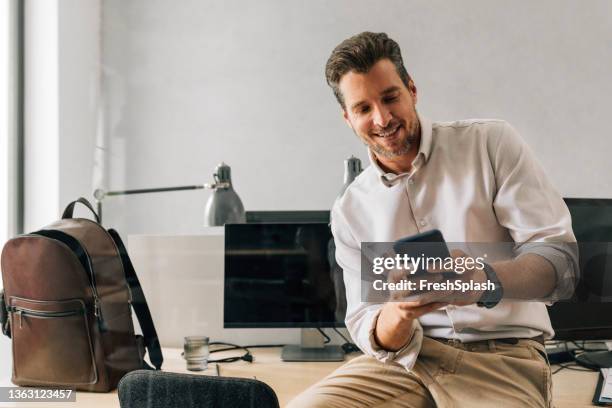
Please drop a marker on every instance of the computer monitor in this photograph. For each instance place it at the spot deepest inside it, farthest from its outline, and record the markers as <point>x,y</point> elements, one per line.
<point>280,275</point>
<point>588,315</point>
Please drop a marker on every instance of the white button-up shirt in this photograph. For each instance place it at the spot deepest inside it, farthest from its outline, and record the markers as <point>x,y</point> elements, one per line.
<point>476,181</point>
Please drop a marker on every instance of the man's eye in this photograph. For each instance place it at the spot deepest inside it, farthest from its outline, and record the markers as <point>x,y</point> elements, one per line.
<point>390,99</point>
<point>364,109</point>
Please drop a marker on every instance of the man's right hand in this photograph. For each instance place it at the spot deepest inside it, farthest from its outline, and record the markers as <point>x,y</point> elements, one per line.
<point>394,325</point>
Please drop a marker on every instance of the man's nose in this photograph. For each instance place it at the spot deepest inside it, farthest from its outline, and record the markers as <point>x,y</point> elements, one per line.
<point>382,116</point>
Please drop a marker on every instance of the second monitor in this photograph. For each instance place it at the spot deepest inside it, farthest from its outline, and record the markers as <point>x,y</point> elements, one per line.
<point>280,275</point>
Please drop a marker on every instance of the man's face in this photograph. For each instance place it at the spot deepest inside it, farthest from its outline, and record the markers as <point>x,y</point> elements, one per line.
<point>380,110</point>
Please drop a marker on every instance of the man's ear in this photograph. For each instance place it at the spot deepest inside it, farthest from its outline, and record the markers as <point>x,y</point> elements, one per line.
<point>346,118</point>
<point>413,91</point>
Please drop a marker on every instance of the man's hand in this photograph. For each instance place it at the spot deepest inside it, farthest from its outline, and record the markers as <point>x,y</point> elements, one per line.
<point>394,325</point>
<point>471,273</point>
<point>458,297</point>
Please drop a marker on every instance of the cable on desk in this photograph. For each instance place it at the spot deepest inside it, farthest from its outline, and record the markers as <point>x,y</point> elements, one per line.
<point>341,335</point>
<point>237,347</point>
<point>584,346</point>
<point>247,356</point>
<point>573,366</point>
<point>327,339</point>
<point>348,346</point>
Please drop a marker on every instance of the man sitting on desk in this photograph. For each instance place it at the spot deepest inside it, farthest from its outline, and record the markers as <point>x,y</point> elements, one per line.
<point>476,181</point>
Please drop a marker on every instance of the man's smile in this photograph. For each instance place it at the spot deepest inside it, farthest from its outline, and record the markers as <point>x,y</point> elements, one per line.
<point>389,133</point>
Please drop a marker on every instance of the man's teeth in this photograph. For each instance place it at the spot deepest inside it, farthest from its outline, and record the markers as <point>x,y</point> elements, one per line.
<point>386,134</point>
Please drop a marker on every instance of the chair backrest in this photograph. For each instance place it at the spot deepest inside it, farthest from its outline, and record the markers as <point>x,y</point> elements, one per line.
<point>158,389</point>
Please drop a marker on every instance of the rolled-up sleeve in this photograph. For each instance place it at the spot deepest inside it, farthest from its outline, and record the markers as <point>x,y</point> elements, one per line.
<point>527,204</point>
<point>361,317</point>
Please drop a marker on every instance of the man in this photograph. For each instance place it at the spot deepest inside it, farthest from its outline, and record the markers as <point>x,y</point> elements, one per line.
<point>476,181</point>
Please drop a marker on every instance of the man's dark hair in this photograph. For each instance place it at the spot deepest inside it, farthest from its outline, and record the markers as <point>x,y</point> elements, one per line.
<point>359,53</point>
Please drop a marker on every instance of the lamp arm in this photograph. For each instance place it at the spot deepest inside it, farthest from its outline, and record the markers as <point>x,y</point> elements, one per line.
<point>100,194</point>
<point>152,190</point>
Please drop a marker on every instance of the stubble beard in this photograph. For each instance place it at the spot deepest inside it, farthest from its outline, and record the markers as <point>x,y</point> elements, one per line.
<point>412,136</point>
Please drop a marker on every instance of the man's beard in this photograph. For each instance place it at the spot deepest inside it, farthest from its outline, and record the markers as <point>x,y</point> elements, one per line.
<point>412,136</point>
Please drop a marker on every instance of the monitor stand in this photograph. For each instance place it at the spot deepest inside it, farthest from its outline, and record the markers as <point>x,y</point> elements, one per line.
<point>312,348</point>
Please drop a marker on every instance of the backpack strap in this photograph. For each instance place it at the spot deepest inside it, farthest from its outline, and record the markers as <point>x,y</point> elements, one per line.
<point>70,208</point>
<point>139,303</point>
<point>4,318</point>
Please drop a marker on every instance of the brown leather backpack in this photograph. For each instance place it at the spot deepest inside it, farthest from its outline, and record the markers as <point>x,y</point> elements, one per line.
<point>67,292</point>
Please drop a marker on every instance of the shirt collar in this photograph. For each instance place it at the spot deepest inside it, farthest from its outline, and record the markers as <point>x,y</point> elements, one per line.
<point>390,179</point>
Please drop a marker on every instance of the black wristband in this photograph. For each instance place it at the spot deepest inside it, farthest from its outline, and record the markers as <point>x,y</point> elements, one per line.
<point>490,298</point>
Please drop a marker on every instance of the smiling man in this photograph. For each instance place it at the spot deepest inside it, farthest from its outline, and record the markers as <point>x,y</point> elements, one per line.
<point>392,133</point>
<point>476,181</point>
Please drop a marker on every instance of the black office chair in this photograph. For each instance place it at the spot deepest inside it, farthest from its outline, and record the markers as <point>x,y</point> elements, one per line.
<point>158,389</point>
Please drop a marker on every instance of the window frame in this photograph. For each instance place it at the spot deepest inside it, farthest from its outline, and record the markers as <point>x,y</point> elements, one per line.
<point>13,107</point>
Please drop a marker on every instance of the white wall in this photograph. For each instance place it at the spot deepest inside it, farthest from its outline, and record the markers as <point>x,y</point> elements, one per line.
<point>196,82</point>
<point>79,90</point>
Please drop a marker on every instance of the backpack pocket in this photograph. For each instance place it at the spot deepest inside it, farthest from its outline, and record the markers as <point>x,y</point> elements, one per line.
<point>51,342</point>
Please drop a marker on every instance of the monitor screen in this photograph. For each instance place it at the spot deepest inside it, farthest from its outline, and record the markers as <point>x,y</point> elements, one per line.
<point>588,316</point>
<point>282,275</point>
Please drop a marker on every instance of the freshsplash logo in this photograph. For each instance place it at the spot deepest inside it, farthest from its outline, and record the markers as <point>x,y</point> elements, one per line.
<point>424,285</point>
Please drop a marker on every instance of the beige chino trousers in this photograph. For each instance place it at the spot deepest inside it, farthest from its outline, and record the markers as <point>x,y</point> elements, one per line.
<point>486,373</point>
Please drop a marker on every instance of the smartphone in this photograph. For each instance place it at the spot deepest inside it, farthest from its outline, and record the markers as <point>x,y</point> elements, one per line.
<point>424,246</point>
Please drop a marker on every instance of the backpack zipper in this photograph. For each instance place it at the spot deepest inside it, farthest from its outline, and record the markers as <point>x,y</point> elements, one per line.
<point>22,311</point>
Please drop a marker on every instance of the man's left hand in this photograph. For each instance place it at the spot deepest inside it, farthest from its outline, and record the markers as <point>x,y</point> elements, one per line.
<point>471,274</point>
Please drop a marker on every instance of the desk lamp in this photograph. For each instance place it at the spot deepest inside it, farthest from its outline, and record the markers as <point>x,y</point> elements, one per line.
<point>223,206</point>
<point>352,168</point>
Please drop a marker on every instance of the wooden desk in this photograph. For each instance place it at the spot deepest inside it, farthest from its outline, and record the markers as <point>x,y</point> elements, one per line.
<point>571,389</point>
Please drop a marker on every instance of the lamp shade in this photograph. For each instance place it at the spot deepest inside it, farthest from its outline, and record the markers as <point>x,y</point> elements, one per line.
<point>224,206</point>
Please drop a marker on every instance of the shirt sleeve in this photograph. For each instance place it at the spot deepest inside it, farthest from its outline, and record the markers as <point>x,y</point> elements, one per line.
<point>527,204</point>
<point>362,316</point>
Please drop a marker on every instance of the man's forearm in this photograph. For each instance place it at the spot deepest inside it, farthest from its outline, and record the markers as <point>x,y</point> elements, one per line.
<point>392,336</point>
<point>529,276</point>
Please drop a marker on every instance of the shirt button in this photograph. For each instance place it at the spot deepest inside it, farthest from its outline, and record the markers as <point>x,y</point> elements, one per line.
<point>422,223</point>
<point>410,181</point>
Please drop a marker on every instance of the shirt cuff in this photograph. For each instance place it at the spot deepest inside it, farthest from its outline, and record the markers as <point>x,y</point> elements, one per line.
<point>564,259</point>
<point>407,355</point>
